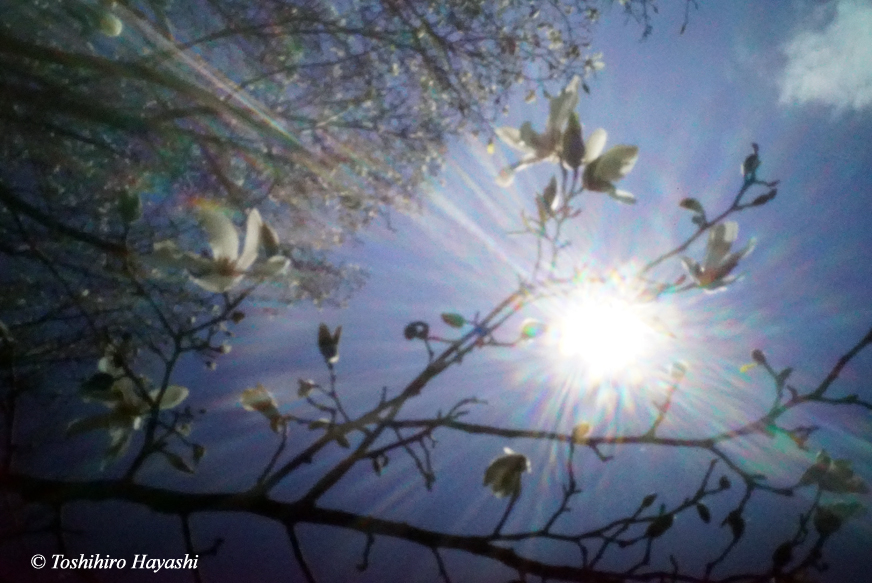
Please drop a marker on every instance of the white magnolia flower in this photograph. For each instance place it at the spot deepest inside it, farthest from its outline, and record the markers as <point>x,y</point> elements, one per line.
<point>538,147</point>
<point>594,63</point>
<point>503,475</point>
<point>261,400</point>
<point>126,411</point>
<point>228,266</point>
<point>603,170</point>
<point>719,262</point>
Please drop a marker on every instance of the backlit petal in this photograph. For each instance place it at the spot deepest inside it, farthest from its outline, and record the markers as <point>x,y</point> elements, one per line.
<point>221,233</point>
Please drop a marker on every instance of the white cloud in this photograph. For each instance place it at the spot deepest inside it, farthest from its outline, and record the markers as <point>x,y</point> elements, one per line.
<point>832,65</point>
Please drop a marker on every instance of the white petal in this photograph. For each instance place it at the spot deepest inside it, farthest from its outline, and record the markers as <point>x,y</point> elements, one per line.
<point>512,138</point>
<point>174,395</point>
<point>721,239</point>
<point>103,421</point>
<point>617,163</point>
<point>622,196</point>
<point>252,240</point>
<point>692,268</point>
<point>563,105</point>
<point>594,145</point>
<point>167,255</point>
<point>222,235</point>
<point>529,137</point>
<point>217,283</point>
<point>275,265</point>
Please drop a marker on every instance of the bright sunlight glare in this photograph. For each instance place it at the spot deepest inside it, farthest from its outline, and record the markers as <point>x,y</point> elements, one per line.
<point>608,335</point>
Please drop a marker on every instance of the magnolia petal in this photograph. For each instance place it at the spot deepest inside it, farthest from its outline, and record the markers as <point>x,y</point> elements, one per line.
<point>119,442</point>
<point>216,282</point>
<point>103,421</point>
<point>257,399</point>
<point>221,233</point>
<point>252,240</point>
<point>173,396</point>
<point>617,163</point>
<point>167,255</point>
<point>692,268</point>
<point>512,138</point>
<point>622,196</point>
<point>129,398</point>
<point>275,265</point>
<point>594,145</point>
<point>721,239</point>
<point>529,137</point>
<point>563,105</point>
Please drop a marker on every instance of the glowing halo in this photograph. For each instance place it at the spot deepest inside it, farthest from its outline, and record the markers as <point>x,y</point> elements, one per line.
<point>607,335</point>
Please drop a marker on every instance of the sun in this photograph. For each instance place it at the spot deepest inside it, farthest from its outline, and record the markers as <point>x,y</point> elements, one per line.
<point>607,336</point>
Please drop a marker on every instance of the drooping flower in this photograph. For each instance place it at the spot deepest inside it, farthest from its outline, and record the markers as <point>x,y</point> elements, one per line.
<point>261,400</point>
<point>228,266</point>
<point>126,411</point>
<point>714,273</point>
<point>833,475</point>
<point>540,147</point>
<point>503,475</point>
<point>603,170</point>
<point>306,387</point>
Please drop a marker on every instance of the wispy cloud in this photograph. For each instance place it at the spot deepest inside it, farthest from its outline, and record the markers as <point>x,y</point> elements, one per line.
<point>832,65</point>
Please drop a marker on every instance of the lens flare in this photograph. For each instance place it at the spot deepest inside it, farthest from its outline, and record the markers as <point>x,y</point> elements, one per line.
<point>607,335</point>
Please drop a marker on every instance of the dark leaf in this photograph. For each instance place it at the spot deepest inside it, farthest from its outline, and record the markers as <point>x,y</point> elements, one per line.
<point>453,320</point>
<point>177,462</point>
<point>648,500</point>
<point>724,483</point>
<point>826,522</point>
<point>703,512</point>
<point>782,555</point>
<point>98,383</point>
<point>660,525</point>
<point>198,452</point>
<point>692,204</point>
<point>736,523</point>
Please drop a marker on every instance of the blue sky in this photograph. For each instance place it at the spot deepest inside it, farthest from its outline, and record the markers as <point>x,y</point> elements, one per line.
<point>795,77</point>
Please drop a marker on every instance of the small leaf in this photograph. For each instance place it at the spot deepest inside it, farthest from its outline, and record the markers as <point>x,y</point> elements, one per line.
<point>758,356</point>
<point>580,431</point>
<point>376,466</point>
<point>692,204</point>
<point>237,316</point>
<point>531,328</point>
<point>746,367</point>
<point>490,146</point>
<point>736,523</point>
<point>342,440</point>
<point>648,500</point>
<point>177,462</point>
<point>724,483</point>
<point>783,376</point>
<point>782,554</point>
<point>453,320</point>
<point>703,512</point>
<point>198,451</point>
<point>660,525</point>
